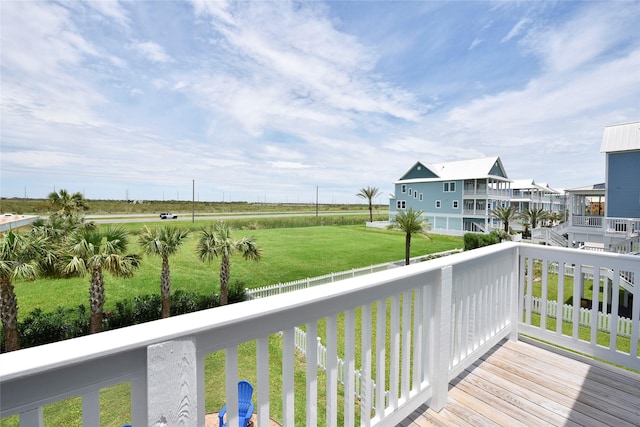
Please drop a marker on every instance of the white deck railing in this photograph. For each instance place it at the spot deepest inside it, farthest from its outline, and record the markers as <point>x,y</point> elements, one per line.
<point>619,272</point>
<point>627,226</point>
<point>281,288</point>
<point>421,325</point>
<point>587,221</point>
<point>625,326</point>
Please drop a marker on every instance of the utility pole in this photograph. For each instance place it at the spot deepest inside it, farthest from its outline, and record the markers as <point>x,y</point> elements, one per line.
<point>193,200</point>
<point>316,201</point>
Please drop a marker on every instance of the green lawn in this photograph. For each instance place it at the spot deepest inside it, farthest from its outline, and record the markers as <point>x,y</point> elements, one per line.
<point>288,254</point>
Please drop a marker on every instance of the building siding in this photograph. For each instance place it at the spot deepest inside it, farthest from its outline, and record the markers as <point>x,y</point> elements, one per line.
<point>623,185</point>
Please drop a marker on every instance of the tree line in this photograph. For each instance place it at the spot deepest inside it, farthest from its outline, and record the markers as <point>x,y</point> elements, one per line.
<point>66,246</point>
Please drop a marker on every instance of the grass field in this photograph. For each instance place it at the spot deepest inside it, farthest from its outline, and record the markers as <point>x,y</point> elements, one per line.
<point>41,206</point>
<point>288,254</point>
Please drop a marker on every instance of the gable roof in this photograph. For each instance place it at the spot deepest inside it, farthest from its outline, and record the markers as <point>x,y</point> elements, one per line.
<point>488,167</point>
<point>622,137</point>
<point>523,184</point>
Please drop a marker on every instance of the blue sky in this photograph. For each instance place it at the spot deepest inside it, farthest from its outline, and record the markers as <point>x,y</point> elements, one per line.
<point>267,101</point>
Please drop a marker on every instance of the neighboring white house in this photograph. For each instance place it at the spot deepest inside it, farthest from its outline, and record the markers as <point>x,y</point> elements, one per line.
<point>529,194</point>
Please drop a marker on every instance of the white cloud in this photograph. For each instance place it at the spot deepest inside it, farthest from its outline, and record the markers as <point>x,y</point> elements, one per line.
<point>288,165</point>
<point>285,97</point>
<point>516,30</point>
<point>552,98</point>
<point>304,71</point>
<point>152,51</point>
<point>40,45</point>
<point>577,42</point>
<point>111,9</point>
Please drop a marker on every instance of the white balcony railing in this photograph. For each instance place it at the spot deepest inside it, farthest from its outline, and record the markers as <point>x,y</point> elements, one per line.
<point>626,226</point>
<point>587,221</point>
<point>421,325</point>
<point>470,191</point>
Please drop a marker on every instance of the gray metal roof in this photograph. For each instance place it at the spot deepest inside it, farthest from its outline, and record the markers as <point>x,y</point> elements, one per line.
<point>464,169</point>
<point>622,137</point>
<point>589,189</point>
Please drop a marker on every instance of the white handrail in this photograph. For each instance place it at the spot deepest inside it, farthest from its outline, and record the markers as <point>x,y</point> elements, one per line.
<point>444,314</point>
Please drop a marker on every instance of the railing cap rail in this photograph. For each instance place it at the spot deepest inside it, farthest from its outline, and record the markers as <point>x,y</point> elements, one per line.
<point>228,320</point>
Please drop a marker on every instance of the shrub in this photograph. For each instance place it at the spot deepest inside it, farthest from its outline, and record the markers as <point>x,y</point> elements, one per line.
<point>41,327</point>
<point>476,240</point>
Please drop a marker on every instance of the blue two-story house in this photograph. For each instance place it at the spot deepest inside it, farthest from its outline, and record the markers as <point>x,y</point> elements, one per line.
<point>607,215</point>
<point>455,197</point>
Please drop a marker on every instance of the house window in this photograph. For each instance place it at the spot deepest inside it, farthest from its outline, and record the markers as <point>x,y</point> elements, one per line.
<point>400,204</point>
<point>415,194</point>
<point>449,187</point>
<point>410,192</point>
<point>420,197</point>
<point>455,204</point>
<point>438,204</point>
<point>403,188</point>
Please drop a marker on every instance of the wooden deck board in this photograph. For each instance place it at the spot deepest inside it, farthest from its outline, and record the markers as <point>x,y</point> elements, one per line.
<point>520,384</point>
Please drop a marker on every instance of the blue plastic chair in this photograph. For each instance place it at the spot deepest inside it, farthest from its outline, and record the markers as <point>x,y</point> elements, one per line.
<point>245,406</point>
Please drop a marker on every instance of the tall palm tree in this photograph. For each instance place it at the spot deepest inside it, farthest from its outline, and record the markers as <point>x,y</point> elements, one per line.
<point>411,222</point>
<point>216,241</point>
<point>505,215</point>
<point>67,203</point>
<point>92,251</point>
<point>163,242</point>
<point>532,216</point>
<point>20,257</point>
<point>369,193</point>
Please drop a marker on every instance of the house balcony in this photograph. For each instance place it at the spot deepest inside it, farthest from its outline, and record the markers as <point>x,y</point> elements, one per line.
<point>421,328</point>
<point>587,221</point>
<point>487,192</point>
<point>480,212</point>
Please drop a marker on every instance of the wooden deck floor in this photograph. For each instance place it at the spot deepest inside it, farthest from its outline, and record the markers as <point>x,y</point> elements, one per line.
<point>519,384</point>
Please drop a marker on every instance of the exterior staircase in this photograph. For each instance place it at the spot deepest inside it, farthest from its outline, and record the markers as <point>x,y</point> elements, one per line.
<point>549,237</point>
<point>628,246</point>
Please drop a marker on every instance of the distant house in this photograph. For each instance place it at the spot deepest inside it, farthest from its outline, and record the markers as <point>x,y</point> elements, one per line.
<point>528,194</point>
<point>607,215</point>
<point>456,197</point>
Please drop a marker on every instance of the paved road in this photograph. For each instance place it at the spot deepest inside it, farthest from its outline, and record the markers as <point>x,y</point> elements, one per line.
<point>122,218</point>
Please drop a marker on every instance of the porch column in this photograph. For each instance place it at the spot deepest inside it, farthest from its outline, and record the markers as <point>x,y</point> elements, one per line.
<point>172,383</point>
<point>441,339</point>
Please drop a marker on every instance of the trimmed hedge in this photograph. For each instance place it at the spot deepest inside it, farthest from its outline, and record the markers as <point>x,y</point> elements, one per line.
<point>476,240</point>
<point>41,327</point>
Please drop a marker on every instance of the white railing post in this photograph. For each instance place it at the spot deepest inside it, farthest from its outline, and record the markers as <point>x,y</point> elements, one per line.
<point>288,369</point>
<point>171,381</point>
<point>515,296</point>
<point>91,408</point>
<point>139,399</point>
<point>312,374</point>
<point>442,339</point>
<point>34,418</point>
<point>332,372</point>
<point>262,363</point>
<point>349,371</point>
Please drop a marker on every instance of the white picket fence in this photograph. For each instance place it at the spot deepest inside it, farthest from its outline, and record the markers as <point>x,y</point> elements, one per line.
<point>281,288</point>
<point>301,336</point>
<point>603,321</point>
<point>626,277</point>
<point>301,346</point>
